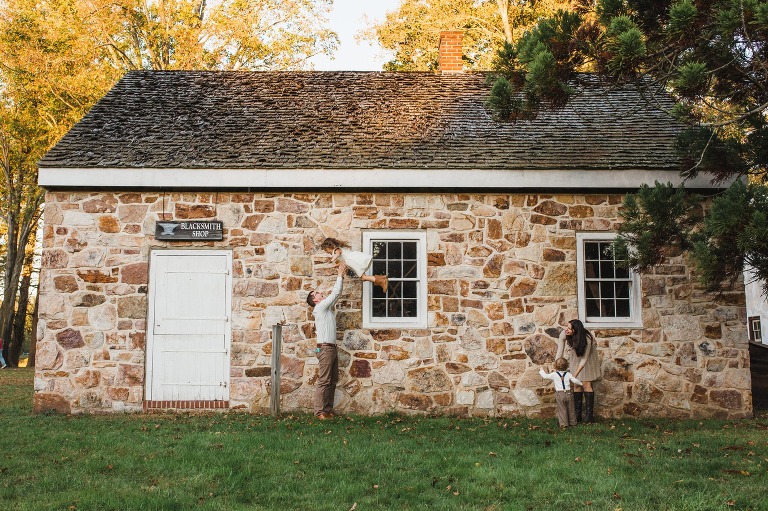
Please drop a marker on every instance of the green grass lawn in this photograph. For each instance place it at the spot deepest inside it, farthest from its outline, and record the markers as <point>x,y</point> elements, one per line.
<point>236,461</point>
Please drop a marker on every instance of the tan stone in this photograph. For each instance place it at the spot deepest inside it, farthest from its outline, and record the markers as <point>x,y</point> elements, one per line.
<point>48,356</point>
<point>730,399</point>
<point>50,402</point>
<point>540,349</point>
<point>301,265</point>
<point>89,300</point>
<point>65,284</point>
<point>251,223</point>
<point>129,375</point>
<point>104,204</point>
<point>522,286</point>
<point>618,370</point>
<point>54,258</point>
<point>360,368</point>
<point>134,307</point>
<point>291,367</point>
<point>136,273</point>
<point>581,211</point>
<point>193,211</point>
<point>414,401</point>
<point>69,339</point>
<point>97,276</point>
<point>492,268</point>
<point>428,379</point>
<point>88,378</point>
<point>394,352</point>
<point>559,280</point>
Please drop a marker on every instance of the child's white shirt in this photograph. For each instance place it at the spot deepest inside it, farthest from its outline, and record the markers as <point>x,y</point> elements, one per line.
<point>562,380</point>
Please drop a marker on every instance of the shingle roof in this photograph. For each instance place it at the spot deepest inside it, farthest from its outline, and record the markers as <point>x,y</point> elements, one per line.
<point>236,120</point>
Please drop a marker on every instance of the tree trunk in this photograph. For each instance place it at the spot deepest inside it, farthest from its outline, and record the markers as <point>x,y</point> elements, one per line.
<point>504,13</point>
<point>33,339</point>
<point>19,323</point>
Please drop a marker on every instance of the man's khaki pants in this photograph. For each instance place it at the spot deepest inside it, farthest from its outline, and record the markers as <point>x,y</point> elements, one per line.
<point>327,378</point>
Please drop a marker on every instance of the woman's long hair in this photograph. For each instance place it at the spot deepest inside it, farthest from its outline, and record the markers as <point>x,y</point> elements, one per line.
<point>333,243</point>
<point>578,339</point>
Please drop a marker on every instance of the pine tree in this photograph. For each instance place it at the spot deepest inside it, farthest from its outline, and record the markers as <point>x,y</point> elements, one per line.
<point>712,57</point>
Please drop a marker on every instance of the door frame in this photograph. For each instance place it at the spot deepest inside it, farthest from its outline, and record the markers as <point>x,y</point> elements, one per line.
<point>149,403</point>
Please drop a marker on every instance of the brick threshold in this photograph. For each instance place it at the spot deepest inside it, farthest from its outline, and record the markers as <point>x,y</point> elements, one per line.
<point>185,405</point>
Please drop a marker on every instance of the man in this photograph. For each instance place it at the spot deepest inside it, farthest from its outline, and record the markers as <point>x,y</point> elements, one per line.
<point>325,326</point>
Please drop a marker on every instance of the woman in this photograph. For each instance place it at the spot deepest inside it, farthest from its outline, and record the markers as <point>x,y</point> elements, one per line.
<point>577,344</point>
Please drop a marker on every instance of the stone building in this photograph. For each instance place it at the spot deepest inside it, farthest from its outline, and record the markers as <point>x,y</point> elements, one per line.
<point>493,235</point>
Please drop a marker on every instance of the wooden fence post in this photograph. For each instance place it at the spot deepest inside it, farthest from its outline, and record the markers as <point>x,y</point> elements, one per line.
<point>277,346</point>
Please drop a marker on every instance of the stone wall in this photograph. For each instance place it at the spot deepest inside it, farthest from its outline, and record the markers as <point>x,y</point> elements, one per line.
<point>502,282</point>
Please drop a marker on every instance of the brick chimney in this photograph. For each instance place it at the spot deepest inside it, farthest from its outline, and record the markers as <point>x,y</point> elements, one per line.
<point>450,51</point>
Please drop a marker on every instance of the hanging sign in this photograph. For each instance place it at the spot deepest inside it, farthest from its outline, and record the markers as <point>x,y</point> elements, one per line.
<point>205,230</point>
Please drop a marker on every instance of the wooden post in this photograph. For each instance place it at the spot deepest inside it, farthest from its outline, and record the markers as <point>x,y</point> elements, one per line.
<point>277,346</point>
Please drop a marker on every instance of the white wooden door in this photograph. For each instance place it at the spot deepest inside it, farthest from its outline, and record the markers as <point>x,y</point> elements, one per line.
<point>189,327</point>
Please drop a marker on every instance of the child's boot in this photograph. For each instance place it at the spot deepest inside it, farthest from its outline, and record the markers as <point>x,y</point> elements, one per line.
<point>382,281</point>
<point>589,407</point>
<point>577,404</point>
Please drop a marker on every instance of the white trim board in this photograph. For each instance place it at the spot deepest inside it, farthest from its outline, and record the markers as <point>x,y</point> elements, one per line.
<point>287,179</point>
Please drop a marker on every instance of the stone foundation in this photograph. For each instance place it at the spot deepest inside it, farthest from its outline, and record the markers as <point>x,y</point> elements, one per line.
<point>502,282</point>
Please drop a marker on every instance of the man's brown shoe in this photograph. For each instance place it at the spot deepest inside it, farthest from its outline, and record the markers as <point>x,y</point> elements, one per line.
<point>382,281</point>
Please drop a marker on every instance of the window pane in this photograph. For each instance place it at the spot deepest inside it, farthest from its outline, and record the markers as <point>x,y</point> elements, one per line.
<point>394,269</point>
<point>379,309</point>
<point>409,290</point>
<point>606,290</point>
<point>622,290</point>
<point>606,269</point>
<point>608,309</point>
<point>591,251</point>
<point>409,270</point>
<point>393,309</point>
<point>379,267</point>
<point>409,250</point>
<point>394,250</point>
<point>621,273</point>
<point>592,269</point>
<point>622,308</point>
<point>592,290</point>
<point>593,308</point>
<point>395,289</point>
<point>378,292</point>
<point>410,309</point>
<point>606,253</point>
<point>379,250</point>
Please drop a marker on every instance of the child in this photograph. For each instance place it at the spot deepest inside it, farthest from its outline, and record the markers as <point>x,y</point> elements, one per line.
<point>358,262</point>
<point>566,413</point>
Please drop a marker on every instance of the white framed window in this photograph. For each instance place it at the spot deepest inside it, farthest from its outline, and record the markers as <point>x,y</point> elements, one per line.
<point>755,329</point>
<point>402,257</point>
<point>609,295</point>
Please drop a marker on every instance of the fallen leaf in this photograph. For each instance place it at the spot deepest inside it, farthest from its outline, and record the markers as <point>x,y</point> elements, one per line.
<point>491,453</point>
<point>577,460</point>
<point>354,506</point>
<point>375,486</point>
<point>616,496</point>
<point>456,492</point>
<point>730,503</point>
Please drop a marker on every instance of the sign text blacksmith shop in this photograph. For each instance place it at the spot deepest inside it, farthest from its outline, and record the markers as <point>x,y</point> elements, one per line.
<point>209,230</point>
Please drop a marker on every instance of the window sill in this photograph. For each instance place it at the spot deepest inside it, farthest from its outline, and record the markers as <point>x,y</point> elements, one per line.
<point>617,325</point>
<point>394,326</point>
